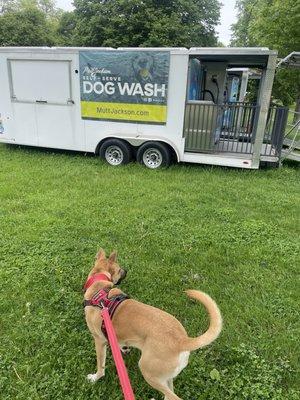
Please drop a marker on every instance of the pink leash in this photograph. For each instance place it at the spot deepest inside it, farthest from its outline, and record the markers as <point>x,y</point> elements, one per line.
<point>116,352</point>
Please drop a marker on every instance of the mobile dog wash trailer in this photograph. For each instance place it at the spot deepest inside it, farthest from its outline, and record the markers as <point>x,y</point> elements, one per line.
<point>153,104</point>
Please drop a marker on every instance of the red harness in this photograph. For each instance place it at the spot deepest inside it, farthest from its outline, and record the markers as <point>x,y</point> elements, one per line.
<point>95,278</point>
<point>100,298</point>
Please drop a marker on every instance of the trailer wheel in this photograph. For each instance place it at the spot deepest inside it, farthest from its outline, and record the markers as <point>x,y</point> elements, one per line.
<point>154,155</point>
<point>116,152</point>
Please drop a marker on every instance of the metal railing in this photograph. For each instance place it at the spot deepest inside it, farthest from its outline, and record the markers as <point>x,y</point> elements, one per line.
<point>238,127</point>
<point>200,126</point>
<point>274,132</point>
<point>291,139</point>
<point>231,128</point>
<point>217,128</point>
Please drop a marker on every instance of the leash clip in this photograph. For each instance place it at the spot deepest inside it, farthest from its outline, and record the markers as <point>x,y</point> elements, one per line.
<point>98,303</point>
<point>98,300</point>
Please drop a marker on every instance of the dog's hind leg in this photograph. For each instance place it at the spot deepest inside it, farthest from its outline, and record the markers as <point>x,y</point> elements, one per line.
<point>100,345</point>
<point>162,386</point>
<point>153,375</point>
<point>170,384</point>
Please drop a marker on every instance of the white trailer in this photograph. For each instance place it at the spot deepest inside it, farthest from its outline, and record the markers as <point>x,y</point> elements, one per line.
<point>153,104</point>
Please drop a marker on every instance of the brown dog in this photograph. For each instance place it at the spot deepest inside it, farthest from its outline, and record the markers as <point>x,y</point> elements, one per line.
<point>160,337</point>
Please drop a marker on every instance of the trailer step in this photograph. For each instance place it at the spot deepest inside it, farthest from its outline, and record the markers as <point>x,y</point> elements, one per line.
<point>293,155</point>
<point>289,142</point>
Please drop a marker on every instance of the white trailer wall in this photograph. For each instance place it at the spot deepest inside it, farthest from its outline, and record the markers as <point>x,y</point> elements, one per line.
<point>40,102</point>
<point>138,132</point>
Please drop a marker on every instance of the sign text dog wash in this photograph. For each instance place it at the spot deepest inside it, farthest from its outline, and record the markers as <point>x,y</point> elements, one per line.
<point>124,86</point>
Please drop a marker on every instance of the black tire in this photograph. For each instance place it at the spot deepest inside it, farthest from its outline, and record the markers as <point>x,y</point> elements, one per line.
<point>116,152</point>
<point>154,155</point>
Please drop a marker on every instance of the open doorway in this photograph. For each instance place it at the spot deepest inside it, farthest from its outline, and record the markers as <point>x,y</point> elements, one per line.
<point>225,93</point>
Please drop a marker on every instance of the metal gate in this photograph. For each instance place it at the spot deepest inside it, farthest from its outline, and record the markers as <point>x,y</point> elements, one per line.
<point>274,132</point>
<point>231,128</point>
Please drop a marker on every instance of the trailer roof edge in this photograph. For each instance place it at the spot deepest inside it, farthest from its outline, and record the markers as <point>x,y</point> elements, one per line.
<point>181,50</point>
<point>51,49</point>
<point>232,51</point>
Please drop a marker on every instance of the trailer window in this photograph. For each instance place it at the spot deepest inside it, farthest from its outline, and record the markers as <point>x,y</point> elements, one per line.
<point>40,81</point>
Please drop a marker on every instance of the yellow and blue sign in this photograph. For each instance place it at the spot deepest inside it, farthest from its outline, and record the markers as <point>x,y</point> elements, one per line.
<point>128,86</point>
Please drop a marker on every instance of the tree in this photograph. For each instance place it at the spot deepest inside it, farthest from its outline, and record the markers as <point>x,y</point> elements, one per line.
<point>7,5</point>
<point>146,23</point>
<point>27,27</point>
<point>48,7</point>
<point>246,13</point>
<point>66,27</point>
<point>275,24</point>
<point>29,22</point>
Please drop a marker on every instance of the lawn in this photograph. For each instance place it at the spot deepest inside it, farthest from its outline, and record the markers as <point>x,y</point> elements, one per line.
<point>232,233</point>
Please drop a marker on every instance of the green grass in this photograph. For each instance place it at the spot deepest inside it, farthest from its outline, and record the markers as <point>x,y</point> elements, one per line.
<point>232,233</point>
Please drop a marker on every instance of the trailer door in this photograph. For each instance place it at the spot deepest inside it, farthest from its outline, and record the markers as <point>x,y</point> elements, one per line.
<point>45,86</point>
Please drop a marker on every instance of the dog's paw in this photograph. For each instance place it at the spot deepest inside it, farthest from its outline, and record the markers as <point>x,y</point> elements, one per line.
<point>94,377</point>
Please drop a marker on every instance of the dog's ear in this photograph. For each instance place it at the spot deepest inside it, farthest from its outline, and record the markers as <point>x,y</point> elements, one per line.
<point>113,257</point>
<point>100,255</point>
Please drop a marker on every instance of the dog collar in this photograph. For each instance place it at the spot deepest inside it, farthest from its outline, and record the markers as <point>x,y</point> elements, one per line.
<point>95,278</point>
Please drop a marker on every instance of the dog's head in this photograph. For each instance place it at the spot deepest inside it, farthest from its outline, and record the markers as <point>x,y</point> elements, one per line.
<point>109,266</point>
<point>143,66</point>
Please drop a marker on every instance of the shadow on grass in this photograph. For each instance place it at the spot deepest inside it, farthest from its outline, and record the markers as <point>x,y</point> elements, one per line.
<point>46,150</point>
<point>74,153</point>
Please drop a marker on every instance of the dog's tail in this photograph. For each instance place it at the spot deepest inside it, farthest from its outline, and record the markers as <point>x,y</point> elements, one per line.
<point>215,325</point>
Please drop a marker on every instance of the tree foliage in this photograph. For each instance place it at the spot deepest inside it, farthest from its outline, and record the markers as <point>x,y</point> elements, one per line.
<point>7,5</point>
<point>146,23</point>
<point>25,27</point>
<point>274,24</point>
<point>110,23</point>
<point>66,28</point>
<point>29,23</point>
<point>245,14</point>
